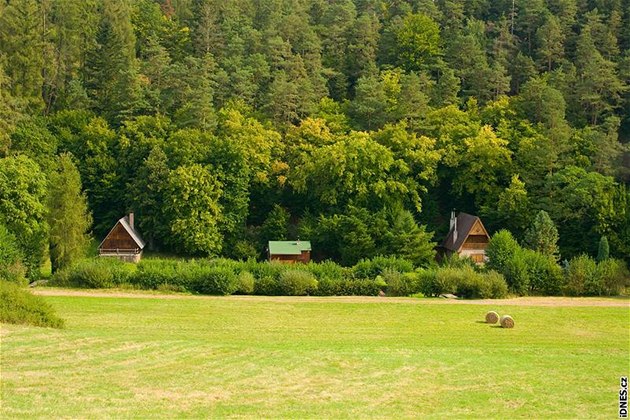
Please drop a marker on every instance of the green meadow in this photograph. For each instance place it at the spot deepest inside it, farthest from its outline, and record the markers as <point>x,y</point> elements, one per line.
<point>172,356</point>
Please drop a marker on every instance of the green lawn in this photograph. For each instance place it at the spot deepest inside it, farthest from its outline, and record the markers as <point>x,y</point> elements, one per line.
<point>290,357</point>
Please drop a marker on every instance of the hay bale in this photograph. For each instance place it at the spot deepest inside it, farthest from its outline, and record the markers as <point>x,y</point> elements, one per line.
<point>507,321</point>
<point>492,317</point>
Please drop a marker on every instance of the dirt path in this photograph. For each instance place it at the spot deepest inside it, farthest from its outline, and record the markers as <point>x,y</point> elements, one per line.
<point>520,301</point>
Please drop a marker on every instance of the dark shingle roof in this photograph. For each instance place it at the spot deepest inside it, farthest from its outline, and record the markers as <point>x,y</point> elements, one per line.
<point>465,222</point>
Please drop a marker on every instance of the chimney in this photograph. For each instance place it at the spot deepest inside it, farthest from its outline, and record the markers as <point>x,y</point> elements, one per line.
<point>454,226</point>
<point>131,220</point>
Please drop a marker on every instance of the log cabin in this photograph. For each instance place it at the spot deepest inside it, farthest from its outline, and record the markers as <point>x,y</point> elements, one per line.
<point>466,237</point>
<point>123,241</point>
<point>289,251</point>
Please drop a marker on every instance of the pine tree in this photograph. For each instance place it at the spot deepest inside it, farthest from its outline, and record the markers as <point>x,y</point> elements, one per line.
<point>22,43</point>
<point>542,236</point>
<point>9,113</point>
<point>603,251</point>
<point>551,40</point>
<point>68,215</point>
<point>598,86</point>
<point>112,69</point>
<point>276,226</point>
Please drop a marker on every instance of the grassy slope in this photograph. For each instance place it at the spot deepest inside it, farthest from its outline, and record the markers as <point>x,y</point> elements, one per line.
<point>191,357</point>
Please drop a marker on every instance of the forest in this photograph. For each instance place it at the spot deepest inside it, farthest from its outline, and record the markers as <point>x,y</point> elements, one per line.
<point>356,124</point>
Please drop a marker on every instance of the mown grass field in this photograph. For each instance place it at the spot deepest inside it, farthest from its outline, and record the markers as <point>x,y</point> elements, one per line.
<point>185,356</point>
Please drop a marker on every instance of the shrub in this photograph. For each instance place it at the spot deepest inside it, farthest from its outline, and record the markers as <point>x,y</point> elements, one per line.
<point>18,306</point>
<point>95,273</point>
<point>498,285</point>
<point>516,273</point>
<point>613,276</point>
<point>580,276</point>
<point>500,250</point>
<point>369,269</point>
<point>455,261</point>
<point>329,287</point>
<point>266,286</point>
<point>349,287</point>
<point>544,274</point>
<point>427,282</point>
<point>464,282</point>
<point>245,283</point>
<point>399,284</point>
<point>264,269</point>
<point>329,270</point>
<point>152,273</point>
<point>209,280</point>
<point>474,286</point>
<point>296,283</point>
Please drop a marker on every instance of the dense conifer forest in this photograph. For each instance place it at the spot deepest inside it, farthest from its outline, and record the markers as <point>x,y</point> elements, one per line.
<point>355,124</point>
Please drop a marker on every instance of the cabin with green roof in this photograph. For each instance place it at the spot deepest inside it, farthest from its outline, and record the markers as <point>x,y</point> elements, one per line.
<point>289,251</point>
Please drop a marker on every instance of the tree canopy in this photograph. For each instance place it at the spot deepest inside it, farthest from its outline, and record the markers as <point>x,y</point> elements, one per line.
<point>359,124</point>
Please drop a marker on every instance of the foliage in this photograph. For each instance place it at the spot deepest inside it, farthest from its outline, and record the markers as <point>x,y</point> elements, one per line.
<point>405,284</point>
<point>11,268</point>
<point>580,276</point>
<point>360,124</point>
<point>603,251</point>
<point>95,273</point>
<point>210,280</point>
<point>369,269</point>
<point>542,236</point>
<point>586,277</point>
<point>296,283</point>
<point>68,215</point>
<point>22,208</point>
<point>19,306</point>
<point>192,195</point>
<point>501,248</point>
<point>245,283</point>
<point>463,282</point>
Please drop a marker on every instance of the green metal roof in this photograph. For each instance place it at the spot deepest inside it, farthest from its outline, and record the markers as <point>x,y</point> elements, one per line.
<point>288,247</point>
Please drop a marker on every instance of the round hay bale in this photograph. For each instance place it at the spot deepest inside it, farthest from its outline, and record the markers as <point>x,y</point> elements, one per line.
<point>507,321</point>
<point>492,317</point>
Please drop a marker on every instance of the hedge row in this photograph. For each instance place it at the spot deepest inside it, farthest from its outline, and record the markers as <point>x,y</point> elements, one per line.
<point>224,277</point>
<point>461,281</point>
<point>530,272</point>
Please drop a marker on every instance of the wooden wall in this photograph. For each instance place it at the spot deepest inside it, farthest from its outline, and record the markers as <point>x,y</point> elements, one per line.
<point>292,259</point>
<point>119,239</point>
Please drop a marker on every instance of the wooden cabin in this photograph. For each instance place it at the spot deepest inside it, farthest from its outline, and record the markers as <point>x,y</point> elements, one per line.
<point>289,251</point>
<point>467,237</point>
<point>123,241</point>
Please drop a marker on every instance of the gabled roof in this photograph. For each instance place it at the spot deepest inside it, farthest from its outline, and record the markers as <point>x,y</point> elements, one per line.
<point>124,222</point>
<point>288,247</point>
<point>465,223</point>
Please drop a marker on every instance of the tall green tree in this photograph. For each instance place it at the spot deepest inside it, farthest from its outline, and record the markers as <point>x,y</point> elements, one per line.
<point>276,225</point>
<point>192,205</point>
<point>112,68</point>
<point>23,41</point>
<point>551,42</point>
<point>603,251</point>
<point>542,235</point>
<point>598,88</point>
<point>68,215</point>
<point>418,42</point>
<point>23,190</point>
